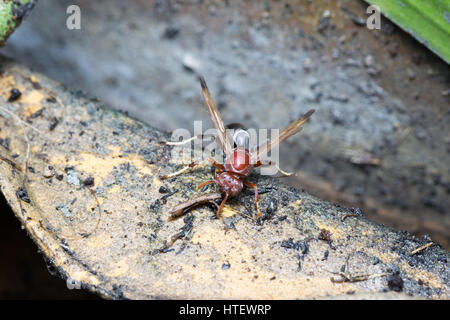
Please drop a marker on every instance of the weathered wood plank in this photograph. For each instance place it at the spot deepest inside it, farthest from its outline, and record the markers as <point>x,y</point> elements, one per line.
<point>91,201</point>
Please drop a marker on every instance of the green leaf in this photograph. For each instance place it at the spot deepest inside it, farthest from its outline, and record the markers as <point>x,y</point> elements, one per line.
<point>426,20</point>
<point>11,15</point>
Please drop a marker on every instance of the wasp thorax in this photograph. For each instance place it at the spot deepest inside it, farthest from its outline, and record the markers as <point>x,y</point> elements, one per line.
<point>241,139</point>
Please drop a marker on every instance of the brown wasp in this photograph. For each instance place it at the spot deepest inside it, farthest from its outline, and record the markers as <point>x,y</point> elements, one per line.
<point>239,161</point>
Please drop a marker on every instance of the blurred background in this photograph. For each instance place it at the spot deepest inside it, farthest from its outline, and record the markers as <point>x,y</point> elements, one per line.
<point>379,140</point>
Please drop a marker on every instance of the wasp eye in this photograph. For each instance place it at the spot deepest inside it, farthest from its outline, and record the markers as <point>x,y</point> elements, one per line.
<point>241,139</point>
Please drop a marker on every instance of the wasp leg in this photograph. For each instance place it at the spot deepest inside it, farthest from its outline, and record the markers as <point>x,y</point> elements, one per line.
<point>270,163</point>
<point>219,171</point>
<point>179,143</point>
<point>217,165</point>
<point>184,169</point>
<point>249,184</point>
<point>221,206</point>
<point>201,185</point>
<point>191,165</point>
<point>176,173</point>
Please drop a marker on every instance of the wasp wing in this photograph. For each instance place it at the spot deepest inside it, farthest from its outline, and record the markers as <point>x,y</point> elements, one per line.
<point>216,118</point>
<point>290,130</point>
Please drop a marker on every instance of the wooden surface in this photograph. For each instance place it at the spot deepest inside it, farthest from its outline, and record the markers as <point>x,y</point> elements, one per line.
<point>106,234</point>
<point>378,140</point>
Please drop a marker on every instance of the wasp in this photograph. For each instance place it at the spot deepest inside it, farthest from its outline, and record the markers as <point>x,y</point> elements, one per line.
<point>239,161</point>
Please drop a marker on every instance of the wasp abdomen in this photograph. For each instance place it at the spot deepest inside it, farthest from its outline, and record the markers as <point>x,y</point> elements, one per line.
<point>229,184</point>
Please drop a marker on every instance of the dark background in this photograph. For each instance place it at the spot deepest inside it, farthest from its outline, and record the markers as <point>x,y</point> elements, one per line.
<point>24,273</point>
